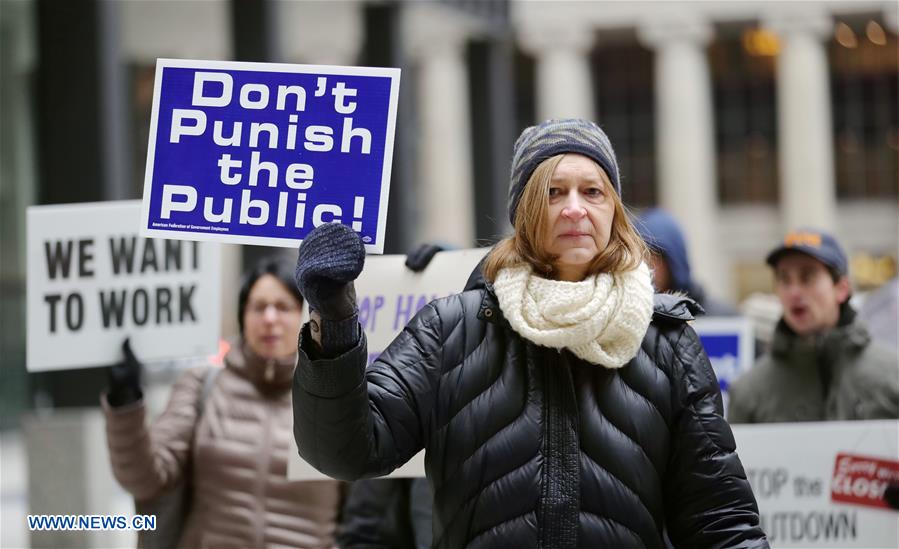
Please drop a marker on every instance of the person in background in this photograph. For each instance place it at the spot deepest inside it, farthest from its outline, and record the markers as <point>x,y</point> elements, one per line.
<point>230,440</point>
<point>560,403</point>
<point>822,364</point>
<point>669,262</point>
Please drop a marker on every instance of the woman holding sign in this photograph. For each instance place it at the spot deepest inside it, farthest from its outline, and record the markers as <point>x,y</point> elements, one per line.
<point>561,404</point>
<point>213,466</point>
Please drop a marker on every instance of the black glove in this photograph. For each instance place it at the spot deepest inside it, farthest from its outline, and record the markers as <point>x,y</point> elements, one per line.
<point>891,495</point>
<point>124,379</point>
<point>330,259</point>
<point>420,257</point>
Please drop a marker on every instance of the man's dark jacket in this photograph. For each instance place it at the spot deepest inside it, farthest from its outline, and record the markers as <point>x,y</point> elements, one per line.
<point>531,447</point>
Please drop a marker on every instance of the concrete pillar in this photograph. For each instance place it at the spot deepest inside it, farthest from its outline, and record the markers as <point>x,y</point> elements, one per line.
<point>436,40</point>
<point>188,30</point>
<point>564,84</point>
<point>69,474</point>
<point>805,128</point>
<point>891,16</point>
<point>685,146</point>
<point>114,123</point>
<point>319,33</point>
<point>232,276</point>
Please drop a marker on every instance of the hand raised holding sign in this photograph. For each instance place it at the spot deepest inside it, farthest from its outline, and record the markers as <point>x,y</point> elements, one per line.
<point>124,379</point>
<point>329,260</point>
<point>419,258</point>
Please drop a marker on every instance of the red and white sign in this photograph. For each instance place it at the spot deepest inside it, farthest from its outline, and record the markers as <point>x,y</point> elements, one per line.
<point>862,480</point>
<point>821,484</point>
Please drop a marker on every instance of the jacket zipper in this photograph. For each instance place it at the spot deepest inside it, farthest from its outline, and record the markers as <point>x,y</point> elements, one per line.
<point>560,498</point>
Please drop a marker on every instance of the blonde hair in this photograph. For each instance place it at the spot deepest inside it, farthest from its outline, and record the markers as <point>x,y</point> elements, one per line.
<point>624,252</point>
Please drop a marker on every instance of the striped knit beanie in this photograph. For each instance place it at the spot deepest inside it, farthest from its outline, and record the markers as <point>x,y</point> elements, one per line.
<point>552,137</point>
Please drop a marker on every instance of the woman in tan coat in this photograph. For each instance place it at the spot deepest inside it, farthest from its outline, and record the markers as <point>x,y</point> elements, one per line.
<point>225,435</point>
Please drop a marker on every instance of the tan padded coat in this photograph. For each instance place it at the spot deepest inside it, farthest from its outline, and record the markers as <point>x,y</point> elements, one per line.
<point>238,459</point>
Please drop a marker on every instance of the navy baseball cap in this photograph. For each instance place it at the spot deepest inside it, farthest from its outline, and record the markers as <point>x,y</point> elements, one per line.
<point>818,244</point>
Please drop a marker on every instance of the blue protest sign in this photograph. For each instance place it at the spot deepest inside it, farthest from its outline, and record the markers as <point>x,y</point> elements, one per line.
<point>262,153</point>
<point>729,343</point>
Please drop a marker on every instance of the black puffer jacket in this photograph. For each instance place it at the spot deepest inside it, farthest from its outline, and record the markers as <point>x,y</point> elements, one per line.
<point>531,447</point>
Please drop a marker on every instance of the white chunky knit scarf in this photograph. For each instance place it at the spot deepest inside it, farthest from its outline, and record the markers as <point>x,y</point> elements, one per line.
<point>601,319</point>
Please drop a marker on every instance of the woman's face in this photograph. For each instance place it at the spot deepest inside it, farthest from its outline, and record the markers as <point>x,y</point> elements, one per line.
<point>580,216</point>
<point>272,319</point>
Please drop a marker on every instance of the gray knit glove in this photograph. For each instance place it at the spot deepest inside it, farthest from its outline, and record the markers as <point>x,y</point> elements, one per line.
<point>330,259</point>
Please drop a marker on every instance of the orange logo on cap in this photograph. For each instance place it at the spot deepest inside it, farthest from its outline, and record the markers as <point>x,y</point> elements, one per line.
<point>802,239</point>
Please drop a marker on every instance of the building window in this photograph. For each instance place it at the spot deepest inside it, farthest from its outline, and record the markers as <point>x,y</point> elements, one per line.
<point>525,100</point>
<point>742,61</point>
<point>864,72</point>
<point>623,81</point>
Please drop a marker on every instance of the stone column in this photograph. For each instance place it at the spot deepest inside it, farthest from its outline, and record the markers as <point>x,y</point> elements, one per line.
<point>685,146</point>
<point>564,84</point>
<point>152,29</point>
<point>318,33</point>
<point>805,129</point>
<point>436,47</point>
<point>891,16</point>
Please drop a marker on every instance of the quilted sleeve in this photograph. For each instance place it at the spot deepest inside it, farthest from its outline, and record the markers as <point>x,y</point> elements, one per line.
<point>708,500</point>
<point>351,423</point>
<point>145,460</point>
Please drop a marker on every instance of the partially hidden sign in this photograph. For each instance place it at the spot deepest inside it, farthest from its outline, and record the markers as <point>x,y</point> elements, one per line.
<point>863,480</point>
<point>729,344</point>
<point>822,484</point>
<point>262,153</point>
<point>389,295</point>
<point>92,281</point>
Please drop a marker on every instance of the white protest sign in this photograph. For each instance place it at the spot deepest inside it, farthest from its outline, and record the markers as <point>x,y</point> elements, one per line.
<point>821,484</point>
<point>389,294</point>
<point>262,153</point>
<point>92,281</point>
